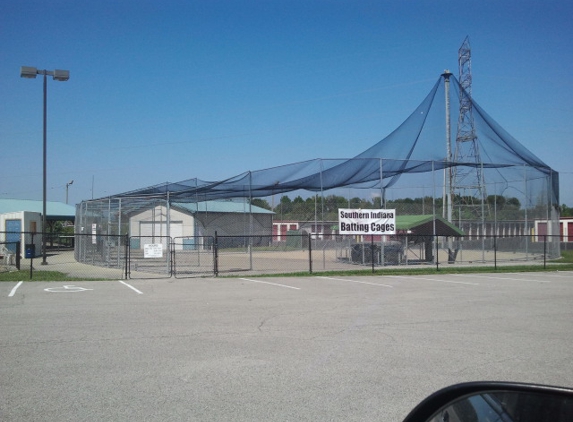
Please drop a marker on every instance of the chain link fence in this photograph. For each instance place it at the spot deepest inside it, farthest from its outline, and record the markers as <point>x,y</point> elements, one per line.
<point>101,256</point>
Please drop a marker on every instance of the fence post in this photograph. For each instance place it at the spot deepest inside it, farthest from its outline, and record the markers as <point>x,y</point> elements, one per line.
<point>372,251</point>
<point>437,253</point>
<point>216,255</point>
<point>127,249</point>
<point>494,251</point>
<point>18,254</point>
<point>171,256</point>
<point>310,253</point>
<point>32,257</point>
<point>544,251</point>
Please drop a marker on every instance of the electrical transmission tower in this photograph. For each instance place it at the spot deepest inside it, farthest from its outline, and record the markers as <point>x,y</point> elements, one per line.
<point>468,185</point>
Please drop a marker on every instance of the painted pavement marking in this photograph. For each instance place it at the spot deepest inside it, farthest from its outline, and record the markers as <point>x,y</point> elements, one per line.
<point>356,281</point>
<point>13,291</point>
<point>415,277</point>
<point>500,278</point>
<point>69,288</point>
<point>268,282</point>
<point>131,287</point>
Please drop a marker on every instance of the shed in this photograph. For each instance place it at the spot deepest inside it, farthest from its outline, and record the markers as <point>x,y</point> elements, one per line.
<point>421,230</point>
<point>157,224</point>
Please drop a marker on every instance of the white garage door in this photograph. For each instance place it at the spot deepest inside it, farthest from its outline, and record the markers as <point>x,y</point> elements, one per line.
<point>155,232</point>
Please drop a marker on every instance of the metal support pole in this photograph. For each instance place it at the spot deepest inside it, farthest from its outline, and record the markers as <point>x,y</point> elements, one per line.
<point>447,188</point>
<point>448,170</point>
<point>372,254</point>
<point>32,257</point>
<point>495,251</point>
<point>44,177</point>
<point>216,254</point>
<point>310,253</point>
<point>434,211</point>
<point>526,230</point>
<point>484,232</point>
<point>170,242</point>
<point>437,259</point>
<point>126,255</point>
<point>250,220</point>
<point>119,230</point>
<point>545,252</point>
<point>321,200</point>
<point>382,205</point>
<point>18,254</point>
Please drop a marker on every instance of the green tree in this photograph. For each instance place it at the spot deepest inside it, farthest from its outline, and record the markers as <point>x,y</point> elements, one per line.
<point>496,200</point>
<point>377,202</point>
<point>513,202</point>
<point>261,203</point>
<point>332,204</point>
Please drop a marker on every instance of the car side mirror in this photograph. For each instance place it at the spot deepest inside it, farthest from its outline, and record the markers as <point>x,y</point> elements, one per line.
<point>496,402</point>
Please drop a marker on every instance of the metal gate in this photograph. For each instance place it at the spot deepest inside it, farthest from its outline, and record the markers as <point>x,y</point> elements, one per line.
<point>150,257</point>
<point>194,256</point>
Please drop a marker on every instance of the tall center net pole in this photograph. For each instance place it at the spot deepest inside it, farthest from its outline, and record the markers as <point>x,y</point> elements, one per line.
<point>448,182</point>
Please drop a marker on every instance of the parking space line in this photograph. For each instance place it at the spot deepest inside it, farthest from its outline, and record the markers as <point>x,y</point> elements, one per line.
<point>356,281</point>
<point>561,274</point>
<point>13,291</point>
<point>500,278</point>
<point>268,282</point>
<point>415,277</point>
<point>131,287</point>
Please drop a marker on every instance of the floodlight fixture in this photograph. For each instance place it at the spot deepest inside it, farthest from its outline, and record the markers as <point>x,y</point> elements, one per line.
<point>28,72</point>
<point>61,75</point>
<point>71,182</point>
<point>32,72</point>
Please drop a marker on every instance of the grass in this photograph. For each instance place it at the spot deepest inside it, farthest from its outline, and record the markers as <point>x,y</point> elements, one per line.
<point>566,257</point>
<point>42,276</point>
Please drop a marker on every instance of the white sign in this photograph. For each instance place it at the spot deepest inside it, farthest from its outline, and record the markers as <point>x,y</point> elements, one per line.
<point>94,233</point>
<point>153,250</point>
<point>358,221</point>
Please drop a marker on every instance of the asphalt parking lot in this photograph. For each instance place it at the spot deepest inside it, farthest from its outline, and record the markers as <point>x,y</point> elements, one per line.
<point>259,349</point>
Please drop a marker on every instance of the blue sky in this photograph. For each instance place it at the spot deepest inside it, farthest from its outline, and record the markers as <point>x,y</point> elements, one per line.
<point>170,90</point>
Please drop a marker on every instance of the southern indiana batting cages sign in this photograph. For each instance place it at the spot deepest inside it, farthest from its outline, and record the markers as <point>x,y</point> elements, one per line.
<point>366,221</point>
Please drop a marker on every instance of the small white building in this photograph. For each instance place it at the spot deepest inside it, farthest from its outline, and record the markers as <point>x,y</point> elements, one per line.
<point>21,221</point>
<point>23,227</point>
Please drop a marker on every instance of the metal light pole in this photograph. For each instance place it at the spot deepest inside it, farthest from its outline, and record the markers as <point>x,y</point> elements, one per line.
<point>71,182</point>
<point>58,75</point>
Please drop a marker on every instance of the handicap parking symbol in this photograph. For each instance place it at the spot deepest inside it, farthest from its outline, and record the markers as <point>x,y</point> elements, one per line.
<point>66,289</point>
